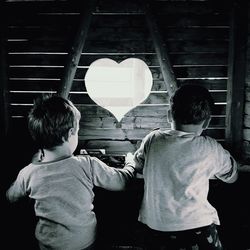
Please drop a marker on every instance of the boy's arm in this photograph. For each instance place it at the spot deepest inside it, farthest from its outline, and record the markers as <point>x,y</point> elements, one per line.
<point>16,190</point>
<point>228,167</point>
<point>114,179</point>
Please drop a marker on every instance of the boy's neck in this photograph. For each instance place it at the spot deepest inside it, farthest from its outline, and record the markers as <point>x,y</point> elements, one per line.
<point>188,128</point>
<point>58,153</point>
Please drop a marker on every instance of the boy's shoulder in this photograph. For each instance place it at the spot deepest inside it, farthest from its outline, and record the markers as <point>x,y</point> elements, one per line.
<point>209,139</point>
<point>155,129</point>
<point>156,133</point>
<point>159,131</point>
<point>153,132</point>
<point>210,142</point>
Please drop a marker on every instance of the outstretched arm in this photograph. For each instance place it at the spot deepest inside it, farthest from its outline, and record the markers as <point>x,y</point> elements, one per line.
<point>110,178</point>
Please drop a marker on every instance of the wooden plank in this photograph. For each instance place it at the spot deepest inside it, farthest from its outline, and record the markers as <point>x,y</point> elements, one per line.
<point>122,33</point>
<point>36,72</point>
<point>76,50</point>
<point>203,56</point>
<point>169,7</point>
<point>4,102</point>
<point>158,85</point>
<point>94,111</point>
<point>190,7</point>
<point>110,146</point>
<point>150,59</point>
<point>35,19</point>
<point>236,76</point>
<point>161,51</point>
<point>43,85</point>
<point>139,111</point>
<point>141,45</point>
<point>53,32</point>
<point>193,34</point>
<point>125,123</point>
<point>212,84</point>
<point>85,60</point>
<point>37,59</point>
<point>97,46</point>
<point>184,71</point>
<point>34,85</point>
<point>23,7</point>
<point>170,19</point>
<point>82,98</point>
<point>36,47</point>
<point>200,71</point>
<point>178,59</point>
<point>97,111</point>
<point>188,19</point>
<point>132,134</point>
<point>118,21</point>
<point>112,134</point>
<point>188,58</point>
<point>126,7</point>
<point>192,44</point>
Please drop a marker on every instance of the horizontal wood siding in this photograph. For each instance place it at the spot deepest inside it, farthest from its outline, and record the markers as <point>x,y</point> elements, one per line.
<point>39,36</point>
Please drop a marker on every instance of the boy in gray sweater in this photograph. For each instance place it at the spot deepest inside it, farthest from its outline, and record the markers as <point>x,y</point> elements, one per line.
<point>60,183</point>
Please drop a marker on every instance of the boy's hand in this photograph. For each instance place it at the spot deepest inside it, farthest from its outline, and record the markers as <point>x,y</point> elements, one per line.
<point>129,159</point>
<point>243,168</point>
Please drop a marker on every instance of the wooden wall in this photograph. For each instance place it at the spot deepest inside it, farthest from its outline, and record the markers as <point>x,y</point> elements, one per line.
<point>39,35</point>
<point>246,130</point>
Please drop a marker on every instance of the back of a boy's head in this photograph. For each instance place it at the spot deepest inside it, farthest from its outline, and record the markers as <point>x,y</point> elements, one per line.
<point>191,104</point>
<point>50,120</point>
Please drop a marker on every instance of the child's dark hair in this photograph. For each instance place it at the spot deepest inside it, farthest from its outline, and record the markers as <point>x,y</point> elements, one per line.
<point>50,120</point>
<point>191,104</point>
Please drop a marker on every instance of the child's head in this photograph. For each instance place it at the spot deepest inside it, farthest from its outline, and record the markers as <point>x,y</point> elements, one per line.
<point>191,104</point>
<point>51,120</point>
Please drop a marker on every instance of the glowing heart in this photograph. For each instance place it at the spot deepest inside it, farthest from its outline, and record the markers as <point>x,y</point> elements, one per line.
<point>118,87</point>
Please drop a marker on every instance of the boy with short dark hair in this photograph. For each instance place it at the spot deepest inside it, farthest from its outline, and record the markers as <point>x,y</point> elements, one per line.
<point>62,184</point>
<point>177,165</point>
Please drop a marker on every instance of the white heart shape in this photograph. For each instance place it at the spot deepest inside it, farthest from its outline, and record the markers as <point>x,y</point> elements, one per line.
<point>118,87</point>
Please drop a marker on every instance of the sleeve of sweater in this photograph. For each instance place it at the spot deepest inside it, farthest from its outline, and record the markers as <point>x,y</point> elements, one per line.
<point>17,190</point>
<point>110,178</point>
<point>227,166</point>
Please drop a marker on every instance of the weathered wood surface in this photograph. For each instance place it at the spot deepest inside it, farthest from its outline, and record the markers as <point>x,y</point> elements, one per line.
<point>76,48</point>
<point>236,77</point>
<point>189,57</point>
<point>161,51</point>
<point>25,84</point>
<point>4,101</point>
<point>40,34</point>
<point>181,72</point>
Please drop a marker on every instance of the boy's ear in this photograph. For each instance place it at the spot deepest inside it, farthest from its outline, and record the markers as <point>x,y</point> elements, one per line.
<point>206,123</point>
<point>71,132</point>
<point>170,117</point>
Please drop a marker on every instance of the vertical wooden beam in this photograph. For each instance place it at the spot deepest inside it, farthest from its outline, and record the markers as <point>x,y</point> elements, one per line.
<point>236,76</point>
<point>4,104</point>
<point>76,49</point>
<point>161,51</point>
